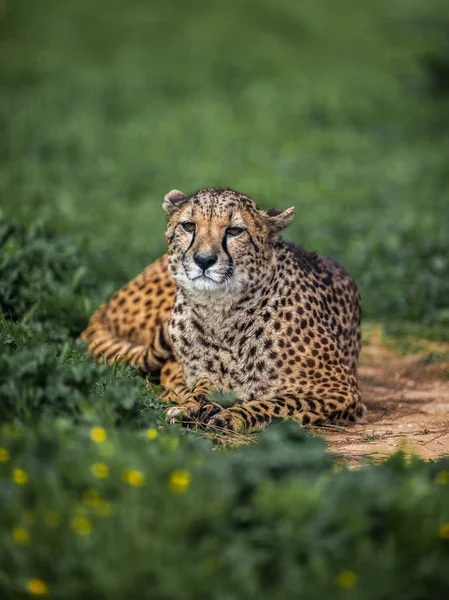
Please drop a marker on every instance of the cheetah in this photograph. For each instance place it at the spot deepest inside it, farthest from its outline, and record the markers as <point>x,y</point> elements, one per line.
<point>233,307</point>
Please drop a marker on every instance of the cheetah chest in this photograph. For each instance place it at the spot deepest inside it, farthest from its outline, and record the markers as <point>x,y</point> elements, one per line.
<point>228,355</point>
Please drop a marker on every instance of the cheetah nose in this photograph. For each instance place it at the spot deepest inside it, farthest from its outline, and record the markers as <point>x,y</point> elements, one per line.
<point>204,261</point>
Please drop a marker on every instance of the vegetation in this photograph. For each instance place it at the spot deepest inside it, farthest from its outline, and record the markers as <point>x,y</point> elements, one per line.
<point>340,109</point>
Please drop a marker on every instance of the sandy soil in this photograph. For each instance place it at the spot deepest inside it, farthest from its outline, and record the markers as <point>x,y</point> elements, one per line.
<point>408,406</point>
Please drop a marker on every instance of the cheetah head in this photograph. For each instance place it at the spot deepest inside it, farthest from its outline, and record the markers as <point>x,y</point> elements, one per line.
<point>219,241</point>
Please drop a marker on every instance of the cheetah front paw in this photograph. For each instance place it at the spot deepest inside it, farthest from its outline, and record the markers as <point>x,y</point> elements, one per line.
<point>188,410</point>
<point>227,420</point>
<point>193,412</point>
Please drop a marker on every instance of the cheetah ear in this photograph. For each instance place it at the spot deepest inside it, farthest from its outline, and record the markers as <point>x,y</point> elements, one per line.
<point>279,219</point>
<point>173,200</point>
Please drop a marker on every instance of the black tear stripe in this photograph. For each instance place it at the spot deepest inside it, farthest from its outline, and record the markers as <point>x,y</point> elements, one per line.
<point>225,248</point>
<point>190,245</point>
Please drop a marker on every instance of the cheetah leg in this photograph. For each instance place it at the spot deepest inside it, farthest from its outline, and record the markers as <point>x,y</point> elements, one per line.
<point>256,415</point>
<point>195,406</point>
<point>173,383</point>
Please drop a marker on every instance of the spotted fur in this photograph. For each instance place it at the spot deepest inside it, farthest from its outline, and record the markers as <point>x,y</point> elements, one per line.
<point>234,307</point>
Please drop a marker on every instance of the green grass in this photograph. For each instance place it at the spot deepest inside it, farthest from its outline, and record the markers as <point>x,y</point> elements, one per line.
<point>331,107</point>
<point>340,109</point>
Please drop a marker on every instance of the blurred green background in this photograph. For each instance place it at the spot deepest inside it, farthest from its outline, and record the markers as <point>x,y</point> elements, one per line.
<point>338,108</point>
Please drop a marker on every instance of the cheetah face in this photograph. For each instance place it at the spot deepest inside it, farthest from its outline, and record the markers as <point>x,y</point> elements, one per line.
<point>219,241</point>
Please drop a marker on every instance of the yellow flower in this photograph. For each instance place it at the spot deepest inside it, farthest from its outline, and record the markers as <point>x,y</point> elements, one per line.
<point>100,470</point>
<point>52,518</point>
<point>19,476</point>
<point>442,478</point>
<point>98,435</point>
<point>151,434</point>
<point>444,531</point>
<point>37,587</point>
<point>81,525</point>
<point>28,517</point>
<point>347,579</point>
<point>179,481</point>
<point>4,455</point>
<point>133,477</point>
<point>21,536</point>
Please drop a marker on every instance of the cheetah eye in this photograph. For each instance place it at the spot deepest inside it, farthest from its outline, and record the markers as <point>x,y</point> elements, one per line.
<point>189,226</point>
<point>234,231</point>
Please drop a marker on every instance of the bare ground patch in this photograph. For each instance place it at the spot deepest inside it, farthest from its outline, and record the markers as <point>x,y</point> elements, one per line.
<point>408,406</point>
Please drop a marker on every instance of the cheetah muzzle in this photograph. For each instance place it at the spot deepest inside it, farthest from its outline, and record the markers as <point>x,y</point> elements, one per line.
<point>234,307</point>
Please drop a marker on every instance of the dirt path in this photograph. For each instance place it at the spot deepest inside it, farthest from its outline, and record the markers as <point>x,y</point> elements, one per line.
<point>408,406</point>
